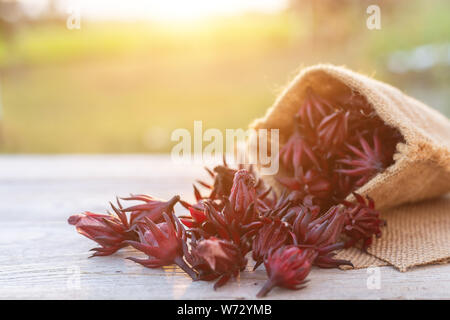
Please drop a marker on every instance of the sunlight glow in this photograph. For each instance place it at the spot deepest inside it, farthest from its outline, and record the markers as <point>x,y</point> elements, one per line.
<point>169,10</point>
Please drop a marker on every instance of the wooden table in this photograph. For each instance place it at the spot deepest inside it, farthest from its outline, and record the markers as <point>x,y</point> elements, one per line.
<point>42,257</point>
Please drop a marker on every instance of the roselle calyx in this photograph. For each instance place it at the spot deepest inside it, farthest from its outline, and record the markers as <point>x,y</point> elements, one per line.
<point>235,220</point>
<point>243,192</point>
<point>163,243</point>
<point>270,236</point>
<point>365,160</point>
<point>222,184</point>
<point>321,235</point>
<point>152,209</point>
<point>297,151</point>
<point>362,222</point>
<point>108,230</point>
<point>223,181</point>
<point>197,216</point>
<point>223,258</point>
<point>313,110</point>
<point>310,183</point>
<point>337,144</point>
<point>287,267</point>
<point>343,136</point>
<point>333,130</point>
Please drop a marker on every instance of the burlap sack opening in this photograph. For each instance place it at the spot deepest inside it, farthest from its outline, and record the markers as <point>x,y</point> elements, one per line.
<point>422,164</point>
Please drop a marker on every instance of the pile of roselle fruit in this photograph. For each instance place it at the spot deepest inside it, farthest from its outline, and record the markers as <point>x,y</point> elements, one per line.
<point>335,147</point>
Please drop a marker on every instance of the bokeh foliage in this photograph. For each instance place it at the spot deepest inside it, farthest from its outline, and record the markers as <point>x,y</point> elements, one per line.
<point>123,87</point>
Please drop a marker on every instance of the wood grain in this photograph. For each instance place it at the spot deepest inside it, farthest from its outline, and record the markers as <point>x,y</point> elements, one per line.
<point>42,257</point>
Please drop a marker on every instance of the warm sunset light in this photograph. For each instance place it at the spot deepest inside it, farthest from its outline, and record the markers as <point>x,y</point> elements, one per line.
<point>172,10</point>
<point>199,154</point>
<point>169,10</point>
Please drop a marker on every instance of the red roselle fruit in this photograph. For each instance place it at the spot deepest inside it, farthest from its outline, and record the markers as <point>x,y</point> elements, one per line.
<point>321,235</point>
<point>223,181</point>
<point>152,209</point>
<point>243,192</point>
<point>362,222</point>
<point>227,225</point>
<point>223,259</point>
<point>313,110</point>
<point>333,130</point>
<point>223,177</point>
<point>272,235</point>
<point>310,183</point>
<point>337,145</point>
<point>287,267</point>
<point>163,243</point>
<point>221,189</point>
<point>197,217</point>
<point>234,220</point>
<point>297,152</point>
<point>365,161</point>
<point>109,231</point>
<point>320,232</point>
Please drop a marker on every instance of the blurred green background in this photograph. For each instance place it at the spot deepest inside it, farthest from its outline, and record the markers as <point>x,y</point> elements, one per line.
<point>122,85</point>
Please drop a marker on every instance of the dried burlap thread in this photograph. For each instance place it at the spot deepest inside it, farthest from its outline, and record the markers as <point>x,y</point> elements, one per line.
<point>416,234</point>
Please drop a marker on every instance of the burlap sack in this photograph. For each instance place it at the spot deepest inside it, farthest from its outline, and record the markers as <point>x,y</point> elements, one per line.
<point>421,169</point>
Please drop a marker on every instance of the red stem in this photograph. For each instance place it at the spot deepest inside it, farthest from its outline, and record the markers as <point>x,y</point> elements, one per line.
<point>180,262</point>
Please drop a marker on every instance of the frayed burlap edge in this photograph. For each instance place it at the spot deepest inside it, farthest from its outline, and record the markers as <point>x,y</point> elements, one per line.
<point>359,258</point>
<point>416,234</point>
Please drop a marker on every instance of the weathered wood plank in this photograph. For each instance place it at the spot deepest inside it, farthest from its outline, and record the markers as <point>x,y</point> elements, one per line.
<point>42,257</point>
